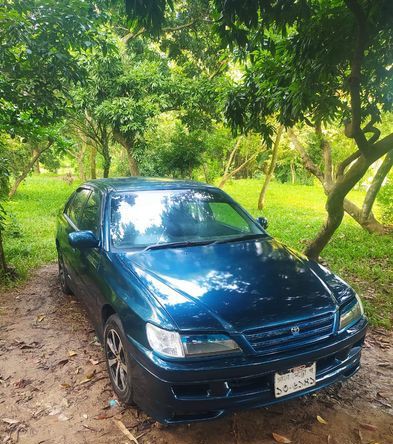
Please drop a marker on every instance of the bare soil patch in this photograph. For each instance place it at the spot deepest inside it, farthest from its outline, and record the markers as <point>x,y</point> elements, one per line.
<point>54,387</point>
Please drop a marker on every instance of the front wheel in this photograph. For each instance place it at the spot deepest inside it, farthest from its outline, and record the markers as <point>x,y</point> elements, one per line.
<point>117,360</point>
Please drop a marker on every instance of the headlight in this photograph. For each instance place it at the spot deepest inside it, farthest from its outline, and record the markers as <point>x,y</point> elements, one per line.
<point>171,343</point>
<point>351,313</point>
<point>203,345</point>
<point>166,342</point>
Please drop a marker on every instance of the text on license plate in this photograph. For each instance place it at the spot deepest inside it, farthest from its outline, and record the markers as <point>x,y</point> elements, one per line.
<point>294,380</point>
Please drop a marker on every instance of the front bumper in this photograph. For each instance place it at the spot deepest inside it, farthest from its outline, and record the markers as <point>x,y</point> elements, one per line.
<point>176,392</point>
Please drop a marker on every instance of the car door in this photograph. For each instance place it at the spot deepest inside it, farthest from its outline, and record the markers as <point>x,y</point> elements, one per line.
<point>90,259</point>
<point>71,255</point>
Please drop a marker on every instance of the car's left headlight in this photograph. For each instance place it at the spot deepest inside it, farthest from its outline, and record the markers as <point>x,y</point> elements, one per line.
<point>205,345</point>
<point>172,344</point>
<point>351,313</point>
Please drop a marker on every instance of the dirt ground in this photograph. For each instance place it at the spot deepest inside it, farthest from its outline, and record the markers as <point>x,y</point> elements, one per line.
<point>54,387</point>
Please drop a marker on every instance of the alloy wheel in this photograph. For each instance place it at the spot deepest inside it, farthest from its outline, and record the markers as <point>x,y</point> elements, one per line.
<point>62,276</point>
<point>116,360</point>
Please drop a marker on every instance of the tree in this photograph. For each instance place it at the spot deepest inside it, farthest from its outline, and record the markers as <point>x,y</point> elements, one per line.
<point>325,173</point>
<point>39,42</point>
<point>314,75</point>
<point>270,171</point>
<point>4,186</point>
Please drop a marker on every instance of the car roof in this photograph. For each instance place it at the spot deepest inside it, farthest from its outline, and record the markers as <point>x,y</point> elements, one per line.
<point>144,183</point>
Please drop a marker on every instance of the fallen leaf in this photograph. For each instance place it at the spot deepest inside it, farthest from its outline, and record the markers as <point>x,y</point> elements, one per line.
<point>10,421</point>
<point>93,361</point>
<point>65,385</point>
<point>72,353</point>
<point>90,375</point>
<point>63,417</point>
<point>370,427</point>
<point>22,383</point>
<point>102,415</point>
<point>132,438</point>
<point>321,420</point>
<point>40,318</point>
<point>62,362</point>
<point>281,439</point>
<point>84,381</point>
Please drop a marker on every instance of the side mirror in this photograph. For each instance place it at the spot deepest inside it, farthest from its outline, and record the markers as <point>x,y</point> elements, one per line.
<point>263,222</point>
<point>83,240</point>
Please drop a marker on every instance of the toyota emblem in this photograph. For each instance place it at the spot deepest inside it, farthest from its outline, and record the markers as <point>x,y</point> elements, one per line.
<point>295,330</point>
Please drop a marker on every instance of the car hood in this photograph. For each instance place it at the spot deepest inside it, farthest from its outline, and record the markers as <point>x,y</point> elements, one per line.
<point>233,286</point>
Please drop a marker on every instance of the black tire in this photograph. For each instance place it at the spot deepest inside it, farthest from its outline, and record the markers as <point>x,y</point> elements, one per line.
<point>118,361</point>
<point>63,275</point>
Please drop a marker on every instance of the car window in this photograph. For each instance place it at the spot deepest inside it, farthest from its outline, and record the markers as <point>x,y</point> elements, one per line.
<point>226,214</point>
<point>90,218</point>
<point>75,208</point>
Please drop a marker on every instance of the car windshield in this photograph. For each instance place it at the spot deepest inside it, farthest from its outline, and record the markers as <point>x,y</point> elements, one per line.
<point>151,219</point>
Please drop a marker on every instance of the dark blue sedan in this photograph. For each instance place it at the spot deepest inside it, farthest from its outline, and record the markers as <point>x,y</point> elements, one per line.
<point>200,311</point>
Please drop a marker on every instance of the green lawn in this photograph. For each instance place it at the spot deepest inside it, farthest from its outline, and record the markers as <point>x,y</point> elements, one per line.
<point>295,213</point>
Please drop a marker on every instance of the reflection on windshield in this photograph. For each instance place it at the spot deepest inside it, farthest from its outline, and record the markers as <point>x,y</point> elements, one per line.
<point>140,219</point>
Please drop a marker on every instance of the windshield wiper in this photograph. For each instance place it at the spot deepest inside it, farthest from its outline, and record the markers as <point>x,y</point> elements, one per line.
<point>240,238</point>
<point>177,244</point>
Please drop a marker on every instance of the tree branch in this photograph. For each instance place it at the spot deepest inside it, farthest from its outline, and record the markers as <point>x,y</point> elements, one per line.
<point>346,162</point>
<point>370,128</point>
<point>306,159</point>
<point>327,156</point>
<point>131,35</point>
<point>376,184</point>
<point>361,41</point>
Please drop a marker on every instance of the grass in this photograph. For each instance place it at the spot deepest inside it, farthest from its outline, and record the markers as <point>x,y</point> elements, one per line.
<point>295,214</point>
<point>29,237</point>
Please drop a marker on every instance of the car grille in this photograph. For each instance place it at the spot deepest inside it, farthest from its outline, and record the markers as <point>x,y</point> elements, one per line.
<point>275,339</point>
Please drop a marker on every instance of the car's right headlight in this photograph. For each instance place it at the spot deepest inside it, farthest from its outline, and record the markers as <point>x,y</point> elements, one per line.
<point>172,344</point>
<point>351,313</point>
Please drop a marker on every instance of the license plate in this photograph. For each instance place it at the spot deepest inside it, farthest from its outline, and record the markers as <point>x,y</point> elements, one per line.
<point>294,380</point>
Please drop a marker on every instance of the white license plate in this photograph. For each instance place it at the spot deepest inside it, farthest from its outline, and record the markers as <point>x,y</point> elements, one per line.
<point>294,380</point>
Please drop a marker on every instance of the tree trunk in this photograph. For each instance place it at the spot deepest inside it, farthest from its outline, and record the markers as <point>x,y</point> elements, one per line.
<point>229,163</point>
<point>107,159</point>
<point>132,164</point>
<point>335,206</point>
<point>128,144</point>
<point>370,223</point>
<point>3,263</point>
<point>376,184</point>
<point>93,163</point>
<point>80,156</point>
<point>236,170</point>
<point>27,170</point>
<point>272,166</point>
<point>364,219</point>
<point>37,169</point>
<point>293,172</point>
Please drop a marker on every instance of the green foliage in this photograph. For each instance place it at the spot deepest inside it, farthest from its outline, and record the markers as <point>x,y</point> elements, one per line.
<point>39,41</point>
<point>29,234</point>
